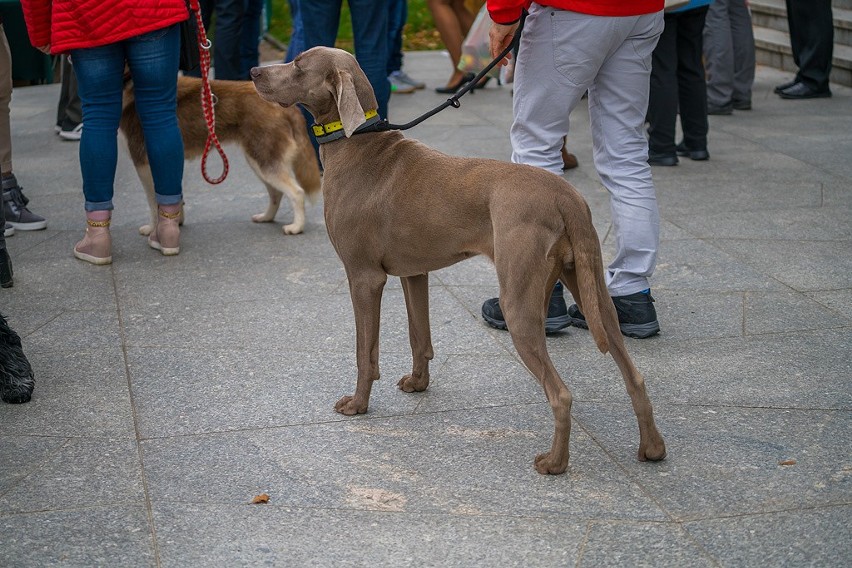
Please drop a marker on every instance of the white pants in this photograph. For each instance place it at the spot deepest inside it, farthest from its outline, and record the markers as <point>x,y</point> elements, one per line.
<point>562,55</point>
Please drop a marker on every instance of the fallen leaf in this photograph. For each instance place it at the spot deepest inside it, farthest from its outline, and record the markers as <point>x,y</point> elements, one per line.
<point>787,462</point>
<point>262,498</point>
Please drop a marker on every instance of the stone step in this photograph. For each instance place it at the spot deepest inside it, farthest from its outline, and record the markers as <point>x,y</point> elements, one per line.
<point>772,48</point>
<point>843,4</point>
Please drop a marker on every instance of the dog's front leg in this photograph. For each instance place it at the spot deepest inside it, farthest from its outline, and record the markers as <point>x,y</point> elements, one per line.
<point>366,292</point>
<point>416,289</point>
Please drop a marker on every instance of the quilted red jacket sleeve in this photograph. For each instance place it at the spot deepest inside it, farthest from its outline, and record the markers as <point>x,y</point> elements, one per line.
<point>509,11</point>
<point>74,24</point>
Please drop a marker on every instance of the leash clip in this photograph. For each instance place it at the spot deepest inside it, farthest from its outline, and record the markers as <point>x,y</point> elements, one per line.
<point>454,102</point>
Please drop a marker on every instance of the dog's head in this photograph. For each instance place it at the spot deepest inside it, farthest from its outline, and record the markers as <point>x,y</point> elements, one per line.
<point>326,81</point>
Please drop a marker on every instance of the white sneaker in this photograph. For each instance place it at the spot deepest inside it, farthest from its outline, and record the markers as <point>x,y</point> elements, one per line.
<point>74,134</point>
<point>406,78</point>
<point>8,230</point>
<point>398,85</point>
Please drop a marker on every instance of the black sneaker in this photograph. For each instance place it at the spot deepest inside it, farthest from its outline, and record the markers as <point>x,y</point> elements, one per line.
<point>557,312</point>
<point>636,315</point>
<point>15,207</point>
<point>5,269</point>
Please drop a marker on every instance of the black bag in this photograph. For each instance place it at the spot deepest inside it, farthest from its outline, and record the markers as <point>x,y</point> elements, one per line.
<point>189,56</point>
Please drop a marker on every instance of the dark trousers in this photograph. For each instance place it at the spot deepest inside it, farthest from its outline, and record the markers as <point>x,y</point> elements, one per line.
<point>677,83</point>
<point>226,38</point>
<point>812,40</point>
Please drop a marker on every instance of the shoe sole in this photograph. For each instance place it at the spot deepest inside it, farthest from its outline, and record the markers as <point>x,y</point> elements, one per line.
<point>636,330</point>
<point>165,251</point>
<point>551,325</point>
<point>96,260</point>
<point>37,226</point>
<point>9,232</point>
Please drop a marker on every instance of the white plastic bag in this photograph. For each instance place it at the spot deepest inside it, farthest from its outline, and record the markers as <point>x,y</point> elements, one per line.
<point>476,51</point>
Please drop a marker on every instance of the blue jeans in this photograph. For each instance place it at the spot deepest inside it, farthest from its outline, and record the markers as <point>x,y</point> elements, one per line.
<point>320,19</point>
<point>153,61</point>
<point>397,16</point>
<point>297,37</point>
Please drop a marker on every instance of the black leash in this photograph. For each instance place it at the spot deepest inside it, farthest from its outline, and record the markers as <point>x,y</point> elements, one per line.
<point>453,101</point>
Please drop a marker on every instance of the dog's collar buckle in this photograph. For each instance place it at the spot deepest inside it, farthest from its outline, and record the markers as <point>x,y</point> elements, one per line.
<point>334,130</point>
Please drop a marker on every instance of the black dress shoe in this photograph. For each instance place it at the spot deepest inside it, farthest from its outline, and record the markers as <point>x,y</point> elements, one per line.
<point>450,89</point>
<point>786,85</point>
<point>662,159</point>
<point>741,105</point>
<point>802,91</point>
<point>697,155</point>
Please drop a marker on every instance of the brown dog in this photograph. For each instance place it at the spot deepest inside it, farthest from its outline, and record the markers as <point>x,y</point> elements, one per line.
<point>274,140</point>
<point>394,206</point>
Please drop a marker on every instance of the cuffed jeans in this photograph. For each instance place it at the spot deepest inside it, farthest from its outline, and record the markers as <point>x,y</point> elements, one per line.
<point>153,61</point>
<point>562,55</point>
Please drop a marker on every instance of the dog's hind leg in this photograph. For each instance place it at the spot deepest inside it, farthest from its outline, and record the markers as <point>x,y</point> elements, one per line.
<point>144,173</point>
<point>279,183</point>
<point>365,288</point>
<point>651,444</point>
<point>523,296</point>
<point>416,290</point>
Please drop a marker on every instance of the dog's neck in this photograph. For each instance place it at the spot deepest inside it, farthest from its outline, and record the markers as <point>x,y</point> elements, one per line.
<point>333,130</point>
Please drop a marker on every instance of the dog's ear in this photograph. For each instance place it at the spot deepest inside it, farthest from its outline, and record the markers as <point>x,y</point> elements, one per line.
<point>348,105</point>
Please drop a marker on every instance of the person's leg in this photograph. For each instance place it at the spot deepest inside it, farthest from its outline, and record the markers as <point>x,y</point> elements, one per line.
<point>250,36</point>
<point>297,35</point>
<point>719,56</point>
<point>452,34</point>
<point>226,44</point>
<point>397,14</point>
<point>548,85</point>
<point>99,83</point>
<point>812,25</point>
<point>5,99</point>
<point>691,87</point>
<point>153,60</point>
<point>370,28</point>
<point>100,72</point>
<point>663,96</point>
<point>742,35</point>
<point>617,102</point>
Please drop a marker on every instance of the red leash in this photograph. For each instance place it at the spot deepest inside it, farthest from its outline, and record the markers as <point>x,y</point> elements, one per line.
<point>207,103</point>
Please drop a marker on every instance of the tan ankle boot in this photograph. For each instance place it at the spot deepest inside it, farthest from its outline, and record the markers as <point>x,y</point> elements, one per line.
<point>96,246</point>
<point>166,236</point>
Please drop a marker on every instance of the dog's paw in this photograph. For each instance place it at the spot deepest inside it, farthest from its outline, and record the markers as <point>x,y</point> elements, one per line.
<point>545,464</point>
<point>652,451</point>
<point>145,230</point>
<point>261,218</point>
<point>292,229</point>
<point>348,406</point>
<point>412,383</point>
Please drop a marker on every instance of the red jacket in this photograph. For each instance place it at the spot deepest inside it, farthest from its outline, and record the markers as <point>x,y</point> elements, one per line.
<point>72,24</point>
<point>509,11</point>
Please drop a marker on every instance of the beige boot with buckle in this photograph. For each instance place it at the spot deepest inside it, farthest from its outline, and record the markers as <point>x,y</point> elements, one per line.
<point>166,236</point>
<point>96,246</point>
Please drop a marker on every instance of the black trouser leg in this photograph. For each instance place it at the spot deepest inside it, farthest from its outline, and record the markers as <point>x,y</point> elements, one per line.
<point>691,84</point>
<point>812,40</point>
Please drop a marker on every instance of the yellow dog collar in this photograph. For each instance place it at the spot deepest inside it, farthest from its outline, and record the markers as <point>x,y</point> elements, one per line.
<point>327,131</point>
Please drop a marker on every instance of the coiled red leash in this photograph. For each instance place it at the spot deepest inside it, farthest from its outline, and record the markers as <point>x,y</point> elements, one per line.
<point>207,102</point>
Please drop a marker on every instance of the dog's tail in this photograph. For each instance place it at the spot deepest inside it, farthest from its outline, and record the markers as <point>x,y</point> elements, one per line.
<point>588,269</point>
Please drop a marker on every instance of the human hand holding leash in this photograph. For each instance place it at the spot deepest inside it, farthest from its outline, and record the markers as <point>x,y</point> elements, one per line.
<point>501,36</point>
